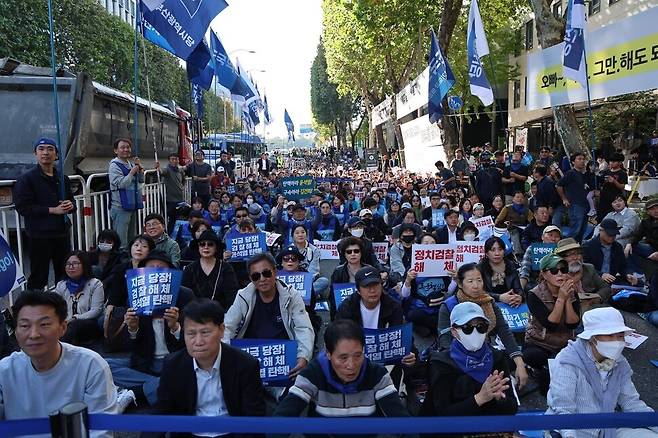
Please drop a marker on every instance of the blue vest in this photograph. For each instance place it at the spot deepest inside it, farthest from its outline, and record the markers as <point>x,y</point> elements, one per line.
<point>326,232</point>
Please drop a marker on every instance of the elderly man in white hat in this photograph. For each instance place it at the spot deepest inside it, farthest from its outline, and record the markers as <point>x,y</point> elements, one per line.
<point>590,375</point>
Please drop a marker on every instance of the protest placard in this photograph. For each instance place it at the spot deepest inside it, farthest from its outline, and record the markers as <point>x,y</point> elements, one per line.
<point>431,287</point>
<point>243,246</point>
<point>11,274</point>
<point>389,345</point>
<point>381,251</point>
<point>270,238</point>
<point>516,317</point>
<point>634,340</point>
<point>359,195</point>
<point>432,260</point>
<point>468,252</point>
<point>485,226</point>
<point>438,220</point>
<point>152,290</point>
<point>328,250</point>
<point>538,251</point>
<point>342,291</point>
<point>301,281</point>
<point>295,188</point>
<point>276,357</point>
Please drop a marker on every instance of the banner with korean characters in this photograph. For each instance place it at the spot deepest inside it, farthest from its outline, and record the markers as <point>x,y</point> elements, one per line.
<point>152,290</point>
<point>438,260</point>
<point>276,358</point>
<point>388,346</point>
<point>302,282</point>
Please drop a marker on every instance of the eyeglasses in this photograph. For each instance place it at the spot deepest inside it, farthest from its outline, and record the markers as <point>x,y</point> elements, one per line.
<point>72,264</point>
<point>563,269</point>
<point>352,251</point>
<point>255,276</point>
<point>241,216</point>
<point>290,258</point>
<point>481,327</point>
<point>206,244</point>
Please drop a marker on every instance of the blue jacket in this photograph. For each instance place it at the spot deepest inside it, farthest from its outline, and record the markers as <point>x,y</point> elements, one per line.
<point>34,193</point>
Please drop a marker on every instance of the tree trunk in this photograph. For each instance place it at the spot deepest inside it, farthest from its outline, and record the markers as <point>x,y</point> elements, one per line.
<point>550,31</point>
<point>381,143</point>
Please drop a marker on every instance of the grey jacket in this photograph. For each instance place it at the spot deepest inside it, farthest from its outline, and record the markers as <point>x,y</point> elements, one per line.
<point>119,181</point>
<point>293,312</point>
<point>396,254</point>
<point>90,301</point>
<point>629,222</point>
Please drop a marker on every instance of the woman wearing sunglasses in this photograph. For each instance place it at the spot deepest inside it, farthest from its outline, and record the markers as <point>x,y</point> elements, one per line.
<point>470,377</point>
<point>352,251</point>
<point>269,309</point>
<point>554,316</point>
<point>471,288</point>
<point>210,276</point>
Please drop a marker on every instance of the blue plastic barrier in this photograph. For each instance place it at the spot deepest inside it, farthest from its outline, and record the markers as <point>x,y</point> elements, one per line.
<point>154,423</point>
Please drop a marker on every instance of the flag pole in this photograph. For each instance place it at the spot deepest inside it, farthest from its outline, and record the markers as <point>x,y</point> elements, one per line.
<point>53,60</point>
<point>496,108</point>
<point>590,117</point>
<point>136,109</point>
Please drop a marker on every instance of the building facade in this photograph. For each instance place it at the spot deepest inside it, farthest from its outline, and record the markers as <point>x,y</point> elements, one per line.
<point>124,9</point>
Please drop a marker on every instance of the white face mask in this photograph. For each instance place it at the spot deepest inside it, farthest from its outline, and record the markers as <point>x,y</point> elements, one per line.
<point>356,232</point>
<point>469,237</point>
<point>105,247</point>
<point>250,201</point>
<point>472,342</point>
<point>610,349</point>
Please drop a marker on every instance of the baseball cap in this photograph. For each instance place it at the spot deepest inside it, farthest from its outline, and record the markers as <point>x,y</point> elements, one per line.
<point>465,312</point>
<point>651,203</point>
<point>289,250</point>
<point>364,212</point>
<point>209,236</point>
<point>603,321</point>
<point>354,221</point>
<point>46,141</point>
<point>156,255</point>
<point>549,261</point>
<point>367,276</point>
<point>255,209</point>
<point>610,227</point>
<point>566,245</point>
<point>220,168</point>
<point>550,228</point>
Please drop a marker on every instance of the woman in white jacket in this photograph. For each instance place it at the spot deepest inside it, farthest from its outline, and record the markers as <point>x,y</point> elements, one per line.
<point>84,296</point>
<point>590,375</point>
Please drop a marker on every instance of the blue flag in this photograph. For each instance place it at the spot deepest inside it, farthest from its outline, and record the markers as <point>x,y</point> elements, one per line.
<point>477,47</point>
<point>181,23</point>
<point>573,56</point>
<point>266,112</point>
<point>289,125</point>
<point>199,68</point>
<point>441,81</point>
<point>197,99</point>
<point>226,73</point>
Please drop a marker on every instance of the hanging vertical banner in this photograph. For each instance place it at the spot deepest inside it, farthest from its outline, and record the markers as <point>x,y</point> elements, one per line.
<point>382,112</point>
<point>413,96</point>
<point>622,58</point>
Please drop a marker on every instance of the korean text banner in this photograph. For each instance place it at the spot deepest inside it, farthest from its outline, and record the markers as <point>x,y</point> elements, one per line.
<point>301,281</point>
<point>388,346</point>
<point>342,291</point>
<point>621,58</point>
<point>516,317</point>
<point>276,357</point>
<point>438,260</point>
<point>297,187</point>
<point>328,250</point>
<point>11,274</point>
<point>413,95</point>
<point>538,251</point>
<point>152,290</point>
<point>422,139</point>
<point>243,246</point>
<point>381,251</point>
<point>485,227</point>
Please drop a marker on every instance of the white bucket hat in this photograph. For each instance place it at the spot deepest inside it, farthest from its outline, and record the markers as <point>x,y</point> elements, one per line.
<point>603,321</point>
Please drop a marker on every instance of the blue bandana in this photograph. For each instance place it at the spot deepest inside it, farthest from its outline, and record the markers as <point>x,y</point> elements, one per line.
<point>518,208</point>
<point>343,388</point>
<point>74,286</point>
<point>477,364</point>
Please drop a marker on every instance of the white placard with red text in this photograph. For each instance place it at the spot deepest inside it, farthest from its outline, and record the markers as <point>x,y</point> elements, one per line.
<point>381,251</point>
<point>485,226</point>
<point>437,260</point>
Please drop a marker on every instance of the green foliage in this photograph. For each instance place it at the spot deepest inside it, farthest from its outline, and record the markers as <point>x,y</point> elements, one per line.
<point>213,119</point>
<point>88,39</point>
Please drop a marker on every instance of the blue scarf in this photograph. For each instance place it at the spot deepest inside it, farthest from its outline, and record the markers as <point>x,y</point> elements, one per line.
<point>515,166</point>
<point>74,286</point>
<point>343,388</point>
<point>477,364</point>
<point>518,208</point>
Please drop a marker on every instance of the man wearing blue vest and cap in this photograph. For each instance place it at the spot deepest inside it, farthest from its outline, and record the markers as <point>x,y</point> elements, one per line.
<point>37,196</point>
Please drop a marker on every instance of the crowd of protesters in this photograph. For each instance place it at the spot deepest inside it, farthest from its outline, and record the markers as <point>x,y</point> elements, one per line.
<point>182,362</point>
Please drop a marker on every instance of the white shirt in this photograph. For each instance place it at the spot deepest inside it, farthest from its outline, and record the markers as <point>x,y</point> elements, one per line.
<point>161,349</point>
<point>209,398</point>
<point>369,317</point>
<point>452,235</point>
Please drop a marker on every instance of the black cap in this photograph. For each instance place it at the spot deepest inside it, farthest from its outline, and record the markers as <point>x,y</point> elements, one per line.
<point>485,156</point>
<point>157,255</point>
<point>289,250</point>
<point>617,157</point>
<point>610,227</point>
<point>407,227</point>
<point>209,236</point>
<point>469,225</point>
<point>367,276</point>
<point>354,221</point>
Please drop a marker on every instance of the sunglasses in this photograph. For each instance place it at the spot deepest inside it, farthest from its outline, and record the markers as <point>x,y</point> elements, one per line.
<point>255,276</point>
<point>481,327</point>
<point>241,216</point>
<point>290,258</point>
<point>352,251</point>
<point>206,244</point>
<point>555,270</point>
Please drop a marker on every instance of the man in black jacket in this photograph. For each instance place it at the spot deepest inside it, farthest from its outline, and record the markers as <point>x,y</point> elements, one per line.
<point>208,377</point>
<point>607,255</point>
<point>38,198</point>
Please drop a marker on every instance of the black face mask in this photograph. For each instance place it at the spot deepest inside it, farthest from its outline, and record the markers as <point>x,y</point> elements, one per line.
<point>407,239</point>
<point>367,221</point>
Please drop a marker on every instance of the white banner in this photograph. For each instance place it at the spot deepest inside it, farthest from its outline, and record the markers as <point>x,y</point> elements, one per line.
<point>621,58</point>
<point>521,137</point>
<point>437,260</point>
<point>485,226</point>
<point>414,95</point>
<point>328,250</point>
<point>423,145</point>
<point>381,251</point>
<point>382,112</point>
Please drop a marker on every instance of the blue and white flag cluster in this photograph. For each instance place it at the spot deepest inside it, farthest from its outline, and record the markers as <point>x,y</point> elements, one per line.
<point>573,57</point>
<point>441,80</point>
<point>477,47</point>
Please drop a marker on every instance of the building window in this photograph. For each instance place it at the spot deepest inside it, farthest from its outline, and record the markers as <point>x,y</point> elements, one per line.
<point>517,94</point>
<point>132,8</point>
<point>557,9</point>
<point>525,91</point>
<point>528,35</point>
<point>612,2</point>
<point>594,7</point>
